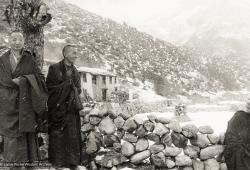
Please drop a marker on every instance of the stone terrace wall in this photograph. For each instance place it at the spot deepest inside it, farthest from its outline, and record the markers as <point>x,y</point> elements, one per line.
<point>113,139</point>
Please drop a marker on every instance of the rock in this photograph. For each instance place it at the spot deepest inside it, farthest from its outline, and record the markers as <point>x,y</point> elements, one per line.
<point>175,126</point>
<point>111,111</point>
<point>189,130</point>
<point>125,115</point>
<point>166,140</point>
<point>109,159</point>
<point>119,122</point>
<point>152,118</point>
<point>141,145</point>
<point>187,168</point>
<point>223,166</point>
<point>91,144</point>
<point>109,140</point>
<point>141,131</point>
<point>213,138</point>
<point>85,119</point>
<point>94,120</point>
<point>161,129</point>
<point>163,120</point>
<point>148,125</point>
<point>192,151</point>
<point>128,149</point>
<point>103,109</point>
<point>158,160</point>
<point>171,151</point>
<point>198,165</point>
<point>130,137</point>
<point>94,112</point>
<point>200,140</point>
<point>117,147</point>
<point>211,152</point>
<point>211,164</point>
<point>170,163</point>
<point>179,140</point>
<point>130,125</point>
<point>87,127</point>
<point>138,120</point>
<point>153,137</point>
<point>156,148</point>
<point>183,160</point>
<point>222,138</point>
<point>206,130</point>
<point>139,157</point>
<point>120,133</point>
<point>107,126</point>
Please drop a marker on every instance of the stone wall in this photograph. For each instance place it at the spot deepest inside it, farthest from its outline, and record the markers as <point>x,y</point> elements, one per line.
<point>112,138</point>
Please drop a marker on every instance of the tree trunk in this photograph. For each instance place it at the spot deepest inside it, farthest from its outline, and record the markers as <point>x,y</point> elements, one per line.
<point>25,16</point>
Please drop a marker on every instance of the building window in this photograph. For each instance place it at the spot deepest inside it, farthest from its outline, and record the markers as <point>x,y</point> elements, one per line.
<point>110,80</point>
<point>94,79</point>
<point>115,80</point>
<point>104,79</point>
<point>84,77</point>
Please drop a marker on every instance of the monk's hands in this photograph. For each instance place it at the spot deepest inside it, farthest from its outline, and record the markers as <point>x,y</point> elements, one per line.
<point>16,80</point>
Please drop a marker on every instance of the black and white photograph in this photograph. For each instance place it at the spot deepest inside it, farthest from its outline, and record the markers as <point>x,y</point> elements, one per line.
<point>124,85</point>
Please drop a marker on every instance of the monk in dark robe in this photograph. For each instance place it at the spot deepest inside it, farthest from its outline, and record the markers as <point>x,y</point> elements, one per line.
<point>63,82</point>
<point>22,102</point>
<point>237,141</point>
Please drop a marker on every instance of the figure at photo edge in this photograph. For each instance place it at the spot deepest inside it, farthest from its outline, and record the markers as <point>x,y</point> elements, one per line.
<point>237,140</point>
<point>64,104</point>
<point>23,98</point>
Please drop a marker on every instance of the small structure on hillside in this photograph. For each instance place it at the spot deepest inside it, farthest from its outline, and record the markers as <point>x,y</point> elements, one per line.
<point>98,83</point>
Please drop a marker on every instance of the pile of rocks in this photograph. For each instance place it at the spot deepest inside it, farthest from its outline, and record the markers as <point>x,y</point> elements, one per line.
<point>113,137</point>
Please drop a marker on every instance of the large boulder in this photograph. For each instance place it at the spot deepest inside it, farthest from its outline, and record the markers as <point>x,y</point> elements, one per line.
<point>139,157</point>
<point>107,126</point>
<point>141,145</point>
<point>198,165</point>
<point>159,159</point>
<point>211,152</point>
<point>128,149</point>
<point>192,151</point>
<point>200,140</point>
<point>156,148</point>
<point>130,125</point>
<point>189,130</point>
<point>179,140</point>
<point>141,131</point>
<point>172,151</point>
<point>92,143</point>
<point>148,125</point>
<point>211,164</point>
<point>161,129</point>
<point>119,122</point>
<point>175,126</point>
<point>206,130</point>
<point>109,159</point>
<point>152,118</point>
<point>213,138</point>
<point>183,160</point>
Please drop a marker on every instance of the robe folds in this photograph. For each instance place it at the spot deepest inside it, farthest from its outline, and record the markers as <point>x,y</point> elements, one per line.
<point>237,141</point>
<point>18,107</point>
<point>63,114</point>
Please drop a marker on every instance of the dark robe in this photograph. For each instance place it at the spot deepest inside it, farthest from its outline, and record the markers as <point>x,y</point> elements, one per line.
<point>19,130</point>
<point>64,87</point>
<point>237,141</point>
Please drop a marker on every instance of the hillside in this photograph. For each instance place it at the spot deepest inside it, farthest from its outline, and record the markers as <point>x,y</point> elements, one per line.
<point>105,43</point>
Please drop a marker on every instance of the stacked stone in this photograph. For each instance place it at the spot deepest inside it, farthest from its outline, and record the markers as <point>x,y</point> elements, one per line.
<point>114,137</point>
